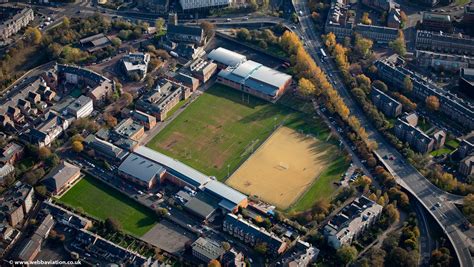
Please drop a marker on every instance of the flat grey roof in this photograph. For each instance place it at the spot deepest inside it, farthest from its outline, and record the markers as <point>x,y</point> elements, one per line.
<point>140,167</point>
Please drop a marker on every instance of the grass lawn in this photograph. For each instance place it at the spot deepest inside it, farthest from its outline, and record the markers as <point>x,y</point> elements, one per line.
<point>324,186</point>
<point>462,2</point>
<point>101,201</point>
<point>219,130</point>
<point>440,152</point>
<point>453,143</point>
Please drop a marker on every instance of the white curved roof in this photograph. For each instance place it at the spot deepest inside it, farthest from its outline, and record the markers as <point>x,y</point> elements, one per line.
<point>226,57</point>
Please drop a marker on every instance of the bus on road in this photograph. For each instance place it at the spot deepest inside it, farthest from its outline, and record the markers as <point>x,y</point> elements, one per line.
<point>323,53</point>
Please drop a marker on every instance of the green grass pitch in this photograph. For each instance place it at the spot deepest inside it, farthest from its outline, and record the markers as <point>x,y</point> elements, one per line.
<point>220,129</point>
<point>101,201</point>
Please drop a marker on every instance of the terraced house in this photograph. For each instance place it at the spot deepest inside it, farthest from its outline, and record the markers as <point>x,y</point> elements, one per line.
<point>12,20</point>
<point>393,72</point>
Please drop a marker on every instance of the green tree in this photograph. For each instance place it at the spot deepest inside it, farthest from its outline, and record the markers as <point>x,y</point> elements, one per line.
<point>159,24</point>
<point>363,46</point>
<point>407,84</point>
<point>399,44</point>
<point>244,34</point>
<point>346,254</point>
<point>261,248</point>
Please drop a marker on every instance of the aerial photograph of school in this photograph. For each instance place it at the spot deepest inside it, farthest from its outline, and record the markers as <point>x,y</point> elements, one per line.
<point>237,133</point>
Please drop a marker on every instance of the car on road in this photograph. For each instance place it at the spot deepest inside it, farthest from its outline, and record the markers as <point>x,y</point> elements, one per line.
<point>228,19</point>
<point>245,18</point>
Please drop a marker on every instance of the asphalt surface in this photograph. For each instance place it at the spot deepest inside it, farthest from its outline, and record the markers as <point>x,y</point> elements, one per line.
<point>447,215</point>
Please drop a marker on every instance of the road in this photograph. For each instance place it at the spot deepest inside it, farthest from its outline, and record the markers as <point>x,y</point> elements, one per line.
<point>447,215</point>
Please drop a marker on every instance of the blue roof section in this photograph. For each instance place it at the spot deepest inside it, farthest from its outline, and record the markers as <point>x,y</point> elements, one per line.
<point>180,168</point>
<point>141,168</point>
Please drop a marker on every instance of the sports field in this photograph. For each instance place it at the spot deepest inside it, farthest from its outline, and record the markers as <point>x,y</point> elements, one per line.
<point>101,201</point>
<point>283,168</point>
<point>219,130</point>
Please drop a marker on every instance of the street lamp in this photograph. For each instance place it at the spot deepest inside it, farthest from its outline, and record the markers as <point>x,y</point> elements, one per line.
<point>228,170</point>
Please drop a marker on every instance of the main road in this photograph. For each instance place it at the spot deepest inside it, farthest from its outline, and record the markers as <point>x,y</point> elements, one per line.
<point>436,201</point>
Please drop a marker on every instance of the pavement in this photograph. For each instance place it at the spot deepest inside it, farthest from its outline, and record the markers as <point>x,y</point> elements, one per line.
<point>448,215</point>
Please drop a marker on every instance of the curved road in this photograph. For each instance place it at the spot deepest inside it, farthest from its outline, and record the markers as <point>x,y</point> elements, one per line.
<point>447,215</point>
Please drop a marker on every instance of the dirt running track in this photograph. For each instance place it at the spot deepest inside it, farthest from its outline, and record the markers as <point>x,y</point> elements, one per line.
<point>282,168</point>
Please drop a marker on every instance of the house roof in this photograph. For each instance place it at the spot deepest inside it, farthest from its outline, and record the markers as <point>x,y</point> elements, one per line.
<point>182,170</point>
<point>141,168</point>
<point>207,247</point>
<point>60,175</point>
<point>222,190</point>
<point>201,205</point>
<point>256,76</point>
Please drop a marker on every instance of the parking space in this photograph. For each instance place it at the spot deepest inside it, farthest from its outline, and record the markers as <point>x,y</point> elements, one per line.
<point>168,236</point>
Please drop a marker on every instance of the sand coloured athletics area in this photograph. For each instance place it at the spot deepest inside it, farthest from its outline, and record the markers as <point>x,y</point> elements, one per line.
<point>281,170</point>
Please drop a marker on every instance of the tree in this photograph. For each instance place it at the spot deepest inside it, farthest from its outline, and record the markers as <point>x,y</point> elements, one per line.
<point>363,46</point>
<point>77,146</point>
<point>77,137</point>
<point>33,35</point>
<point>407,84</point>
<point>262,44</point>
<point>399,44</point>
<point>432,103</point>
<point>365,19</point>
<point>392,213</point>
<point>33,176</point>
<point>346,254</point>
<point>244,34</point>
<point>214,263</point>
<point>41,190</point>
<point>44,153</point>
<point>253,5</point>
<point>127,98</point>
<point>441,257</point>
<point>330,41</point>
<point>306,88</point>
<point>468,208</point>
<point>261,248</point>
<point>226,246</point>
<point>112,225</point>
<point>400,257</point>
<point>66,22</point>
<point>159,24</point>
<point>376,257</point>
<point>380,85</point>
<point>110,120</point>
<point>403,18</point>
<point>208,29</point>
<point>116,42</point>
